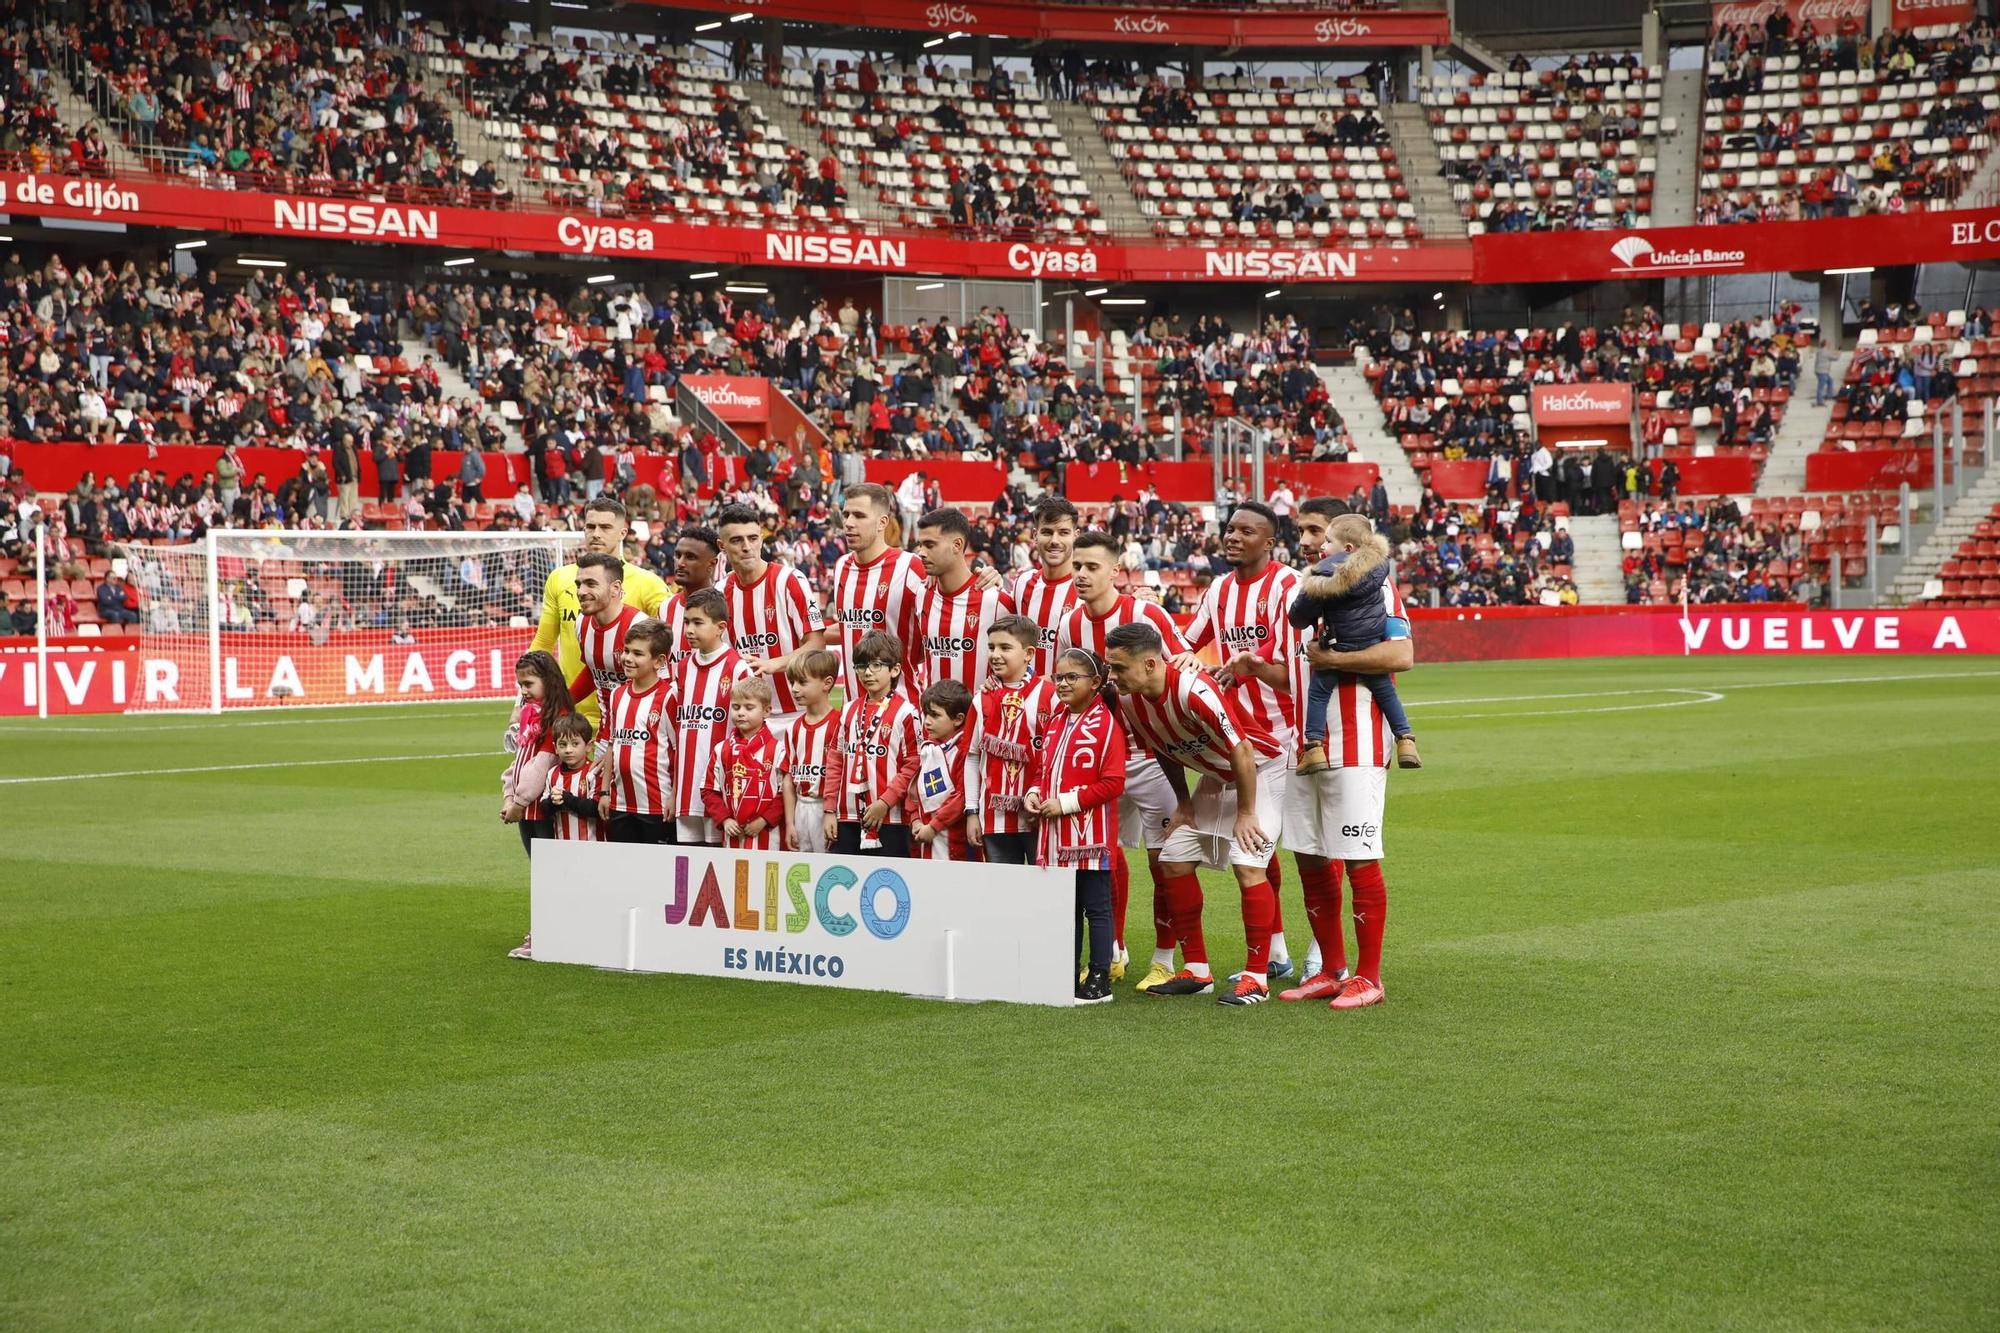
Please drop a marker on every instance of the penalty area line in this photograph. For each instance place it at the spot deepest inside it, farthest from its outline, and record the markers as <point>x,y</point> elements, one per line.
<point>242,768</point>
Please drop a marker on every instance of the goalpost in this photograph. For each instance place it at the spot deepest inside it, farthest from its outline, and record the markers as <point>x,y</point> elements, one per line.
<point>275,618</point>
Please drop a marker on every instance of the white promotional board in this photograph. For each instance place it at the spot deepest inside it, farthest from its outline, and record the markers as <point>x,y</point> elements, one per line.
<point>952,931</point>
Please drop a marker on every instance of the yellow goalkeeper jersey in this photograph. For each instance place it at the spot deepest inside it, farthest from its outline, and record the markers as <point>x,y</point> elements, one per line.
<point>557,632</point>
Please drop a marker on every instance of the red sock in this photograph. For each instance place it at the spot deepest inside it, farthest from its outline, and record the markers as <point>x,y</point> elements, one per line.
<point>1163,913</point>
<point>1259,903</point>
<point>1183,893</point>
<point>1321,885</point>
<point>1121,891</point>
<point>1371,913</point>
<point>1276,876</point>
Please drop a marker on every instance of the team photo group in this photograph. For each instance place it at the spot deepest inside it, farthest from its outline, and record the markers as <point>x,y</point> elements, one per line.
<point>936,710</point>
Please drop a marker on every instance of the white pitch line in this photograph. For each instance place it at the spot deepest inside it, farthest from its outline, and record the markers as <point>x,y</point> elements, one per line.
<point>1672,689</point>
<point>1701,697</point>
<point>243,768</point>
<point>124,726</point>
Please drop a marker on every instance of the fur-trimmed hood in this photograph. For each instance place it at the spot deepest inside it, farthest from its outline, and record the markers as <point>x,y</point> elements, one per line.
<point>1338,575</point>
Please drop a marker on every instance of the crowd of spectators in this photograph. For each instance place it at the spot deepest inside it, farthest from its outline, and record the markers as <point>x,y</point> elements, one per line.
<point>306,99</point>
<point>1715,553</point>
<point>1901,174</point>
<point>1570,95</point>
<point>1504,552</point>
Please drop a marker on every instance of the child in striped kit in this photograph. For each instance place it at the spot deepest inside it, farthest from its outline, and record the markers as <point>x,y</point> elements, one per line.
<point>1075,795</point>
<point>741,796</point>
<point>947,785</point>
<point>874,757</point>
<point>1007,750</point>
<point>805,746</point>
<point>569,796</point>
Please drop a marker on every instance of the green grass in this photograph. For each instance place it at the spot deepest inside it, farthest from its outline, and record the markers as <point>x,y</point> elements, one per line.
<point>1694,1021</point>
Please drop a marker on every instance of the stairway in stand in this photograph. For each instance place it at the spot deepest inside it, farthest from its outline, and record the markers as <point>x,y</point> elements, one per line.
<point>1799,436</point>
<point>1967,513</point>
<point>1108,187</point>
<point>1423,171</point>
<point>1598,559</point>
<point>1348,392</point>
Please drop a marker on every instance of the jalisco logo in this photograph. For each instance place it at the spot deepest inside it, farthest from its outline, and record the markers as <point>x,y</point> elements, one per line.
<point>1038,260</point>
<point>1151,23</point>
<point>95,197</point>
<point>806,901</point>
<point>1340,30</point>
<point>1630,251</point>
<point>950,16</point>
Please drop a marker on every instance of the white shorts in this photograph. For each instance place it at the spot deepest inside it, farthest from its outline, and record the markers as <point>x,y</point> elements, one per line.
<point>1146,806</point>
<point>1337,813</point>
<point>697,831</point>
<point>1211,839</point>
<point>810,824</point>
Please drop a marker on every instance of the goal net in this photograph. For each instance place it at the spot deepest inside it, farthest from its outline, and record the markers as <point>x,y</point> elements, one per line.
<point>273,618</point>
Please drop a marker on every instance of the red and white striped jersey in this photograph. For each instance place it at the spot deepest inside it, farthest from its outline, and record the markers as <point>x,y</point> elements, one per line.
<point>1357,736</point>
<point>1081,629</point>
<point>578,781</point>
<point>951,629</point>
<point>875,741</point>
<point>602,647</point>
<point>673,614</point>
<point>881,594</point>
<point>1252,615</point>
<point>1194,724</point>
<point>639,728</point>
<point>744,775</point>
<point>803,750</point>
<point>1048,603</point>
<point>701,720</point>
<point>1012,719</point>
<point>771,618</point>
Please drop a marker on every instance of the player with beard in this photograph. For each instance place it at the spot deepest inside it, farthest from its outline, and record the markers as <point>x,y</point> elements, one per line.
<point>876,587</point>
<point>1046,594</point>
<point>773,611</point>
<point>1243,614</point>
<point>694,569</point>
<point>605,528</point>
<point>956,610</point>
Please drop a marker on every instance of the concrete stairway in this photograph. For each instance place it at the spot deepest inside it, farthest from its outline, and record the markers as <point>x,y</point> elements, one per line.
<point>1423,170</point>
<point>76,112</point>
<point>455,386</point>
<point>1108,187</point>
<point>1959,520</point>
<point>1598,559</point>
<point>1347,390</point>
<point>790,125</point>
<point>1676,183</point>
<point>1798,437</point>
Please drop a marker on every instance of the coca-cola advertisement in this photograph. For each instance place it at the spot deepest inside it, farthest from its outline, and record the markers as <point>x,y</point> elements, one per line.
<point>1929,13</point>
<point>1824,15</point>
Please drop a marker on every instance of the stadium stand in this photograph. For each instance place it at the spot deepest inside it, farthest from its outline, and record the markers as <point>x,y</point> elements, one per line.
<point>628,128</point>
<point>1830,124</point>
<point>1701,388</point>
<point>1970,577</point>
<point>1264,159</point>
<point>320,103</point>
<point>978,155</point>
<point>1549,150</point>
<point>1505,553</point>
<point>1907,368</point>
<point>1762,549</point>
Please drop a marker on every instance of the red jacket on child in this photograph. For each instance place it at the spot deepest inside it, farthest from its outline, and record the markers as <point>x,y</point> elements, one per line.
<point>743,785</point>
<point>1083,767</point>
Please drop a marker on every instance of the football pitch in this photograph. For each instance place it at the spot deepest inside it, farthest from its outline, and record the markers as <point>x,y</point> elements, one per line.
<point>1693,1020</point>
